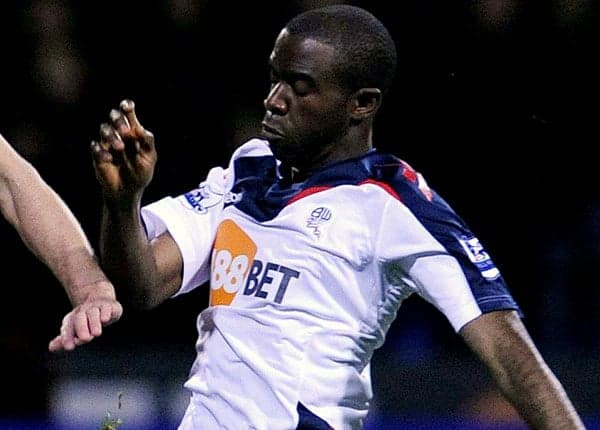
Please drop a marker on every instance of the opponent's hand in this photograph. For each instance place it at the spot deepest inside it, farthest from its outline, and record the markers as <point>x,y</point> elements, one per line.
<point>125,156</point>
<point>86,320</point>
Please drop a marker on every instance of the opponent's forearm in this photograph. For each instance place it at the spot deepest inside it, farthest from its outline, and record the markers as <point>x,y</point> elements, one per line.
<point>127,255</point>
<point>47,226</point>
<point>80,274</point>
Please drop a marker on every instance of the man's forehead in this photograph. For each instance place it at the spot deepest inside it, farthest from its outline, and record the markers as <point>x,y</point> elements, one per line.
<point>302,49</point>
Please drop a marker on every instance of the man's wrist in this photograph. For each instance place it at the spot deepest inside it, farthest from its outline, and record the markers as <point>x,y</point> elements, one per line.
<point>82,277</point>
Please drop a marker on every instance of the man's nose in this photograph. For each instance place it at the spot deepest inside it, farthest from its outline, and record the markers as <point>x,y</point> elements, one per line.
<point>275,101</point>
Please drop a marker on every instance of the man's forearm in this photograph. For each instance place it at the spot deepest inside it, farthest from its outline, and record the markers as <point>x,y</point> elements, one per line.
<point>80,274</point>
<point>127,255</point>
<point>502,342</point>
<point>537,394</point>
<point>48,228</point>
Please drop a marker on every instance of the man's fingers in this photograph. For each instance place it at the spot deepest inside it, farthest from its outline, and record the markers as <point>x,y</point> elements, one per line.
<point>143,136</point>
<point>59,344</point>
<point>64,341</point>
<point>100,154</point>
<point>81,326</point>
<point>128,108</point>
<point>110,312</point>
<point>94,323</point>
<point>109,138</point>
<point>85,323</point>
<point>119,122</point>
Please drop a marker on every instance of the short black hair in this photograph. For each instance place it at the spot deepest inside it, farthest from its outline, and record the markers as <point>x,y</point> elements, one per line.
<point>366,53</point>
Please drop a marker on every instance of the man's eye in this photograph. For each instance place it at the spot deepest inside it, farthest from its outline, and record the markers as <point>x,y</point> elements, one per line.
<point>302,87</point>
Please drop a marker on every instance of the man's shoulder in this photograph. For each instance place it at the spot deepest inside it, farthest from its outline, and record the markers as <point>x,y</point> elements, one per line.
<point>386,167</point>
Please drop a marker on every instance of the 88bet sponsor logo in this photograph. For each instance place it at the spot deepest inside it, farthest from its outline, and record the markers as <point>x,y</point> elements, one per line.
<point>235,270</point>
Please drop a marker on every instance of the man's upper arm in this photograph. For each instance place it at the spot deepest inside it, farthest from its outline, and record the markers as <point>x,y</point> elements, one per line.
<point>497,336</point>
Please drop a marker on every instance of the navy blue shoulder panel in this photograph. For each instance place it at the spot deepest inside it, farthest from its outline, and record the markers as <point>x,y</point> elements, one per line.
<point>437,216</point>
<point>309,421</point>
<point>263,197</point>
<point>254,176</point>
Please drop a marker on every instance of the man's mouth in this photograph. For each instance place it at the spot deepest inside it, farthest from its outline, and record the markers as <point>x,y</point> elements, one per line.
<point>270,132</point>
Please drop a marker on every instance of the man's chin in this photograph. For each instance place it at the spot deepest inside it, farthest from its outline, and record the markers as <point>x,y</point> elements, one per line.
<point>271,137</point>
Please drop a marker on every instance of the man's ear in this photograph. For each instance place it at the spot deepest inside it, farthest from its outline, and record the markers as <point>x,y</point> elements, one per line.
<point>365,103</point>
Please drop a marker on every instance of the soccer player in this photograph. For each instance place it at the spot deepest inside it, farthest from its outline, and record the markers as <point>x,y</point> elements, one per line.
<point>51,232</point>
<point>311,239</point>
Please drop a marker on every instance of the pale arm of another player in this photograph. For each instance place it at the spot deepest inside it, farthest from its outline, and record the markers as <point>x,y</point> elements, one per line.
<point>50,231</point>
<point>502,342</point>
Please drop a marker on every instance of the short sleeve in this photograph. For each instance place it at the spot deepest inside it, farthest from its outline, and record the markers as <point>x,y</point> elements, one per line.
<point>192,220</point>
<point>414,259</point>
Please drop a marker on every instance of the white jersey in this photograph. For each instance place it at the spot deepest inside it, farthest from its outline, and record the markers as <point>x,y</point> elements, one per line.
<point>305,282</point>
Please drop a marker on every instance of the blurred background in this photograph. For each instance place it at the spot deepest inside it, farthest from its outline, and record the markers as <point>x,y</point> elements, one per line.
<point>495,103</point>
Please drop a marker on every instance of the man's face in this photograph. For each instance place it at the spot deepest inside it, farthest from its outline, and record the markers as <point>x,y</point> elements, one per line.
<point>306,109</point>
